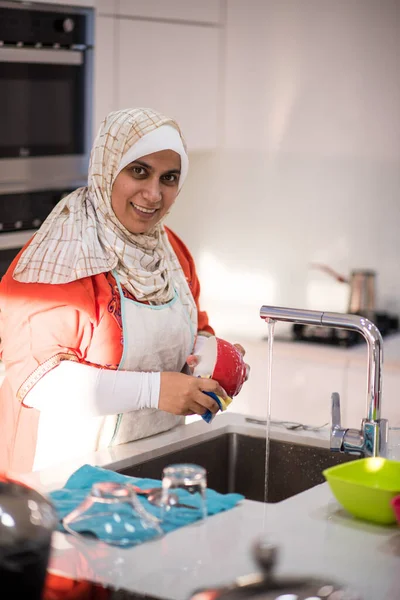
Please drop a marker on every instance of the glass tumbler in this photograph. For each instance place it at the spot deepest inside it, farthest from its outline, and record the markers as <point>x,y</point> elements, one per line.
<point>189,483</point>
<point>113,514</point>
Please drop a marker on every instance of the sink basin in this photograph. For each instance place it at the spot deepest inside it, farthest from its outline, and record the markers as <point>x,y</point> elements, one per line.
<point>235,462</point>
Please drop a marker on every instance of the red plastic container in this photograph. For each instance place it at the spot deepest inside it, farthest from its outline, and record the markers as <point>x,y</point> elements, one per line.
<point>223,362</point>
<point>396,508</point>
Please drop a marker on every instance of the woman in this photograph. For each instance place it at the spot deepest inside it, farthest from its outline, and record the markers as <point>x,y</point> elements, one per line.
<point>100,311</point>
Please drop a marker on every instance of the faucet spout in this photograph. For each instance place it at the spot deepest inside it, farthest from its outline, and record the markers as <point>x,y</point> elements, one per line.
<point>373,436</point>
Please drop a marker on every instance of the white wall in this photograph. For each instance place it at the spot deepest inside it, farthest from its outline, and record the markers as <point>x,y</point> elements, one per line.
<point>308,165</point>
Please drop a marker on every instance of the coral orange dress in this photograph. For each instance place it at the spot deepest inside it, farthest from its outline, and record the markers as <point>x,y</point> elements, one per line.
<point>44,324</point>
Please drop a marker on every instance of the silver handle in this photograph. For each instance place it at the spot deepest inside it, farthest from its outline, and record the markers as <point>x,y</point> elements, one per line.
<point>41,55</point>
<point>350,441</point>
<point>337,433</point>
<point>336,419</point>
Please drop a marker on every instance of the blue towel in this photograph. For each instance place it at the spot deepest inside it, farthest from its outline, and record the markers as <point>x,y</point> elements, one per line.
<point>80,483</point>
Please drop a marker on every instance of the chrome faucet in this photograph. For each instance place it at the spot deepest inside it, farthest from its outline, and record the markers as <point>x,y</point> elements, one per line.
<point>371,439</point>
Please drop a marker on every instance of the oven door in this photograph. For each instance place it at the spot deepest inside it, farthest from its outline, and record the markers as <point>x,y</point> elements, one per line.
<point>42,102</point>
<point>44,118</point>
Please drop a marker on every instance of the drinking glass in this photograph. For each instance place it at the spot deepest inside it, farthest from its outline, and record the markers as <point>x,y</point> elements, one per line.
<point>189,482</point>
<point>113,513</point>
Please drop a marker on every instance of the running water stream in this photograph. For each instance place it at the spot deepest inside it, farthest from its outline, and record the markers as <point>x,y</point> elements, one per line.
<point>271,328</point>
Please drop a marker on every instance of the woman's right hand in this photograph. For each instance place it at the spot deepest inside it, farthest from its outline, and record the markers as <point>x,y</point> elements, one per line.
<point>182,394</point>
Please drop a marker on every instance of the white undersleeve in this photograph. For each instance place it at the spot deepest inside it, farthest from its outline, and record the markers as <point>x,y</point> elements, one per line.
<point>93,392</point>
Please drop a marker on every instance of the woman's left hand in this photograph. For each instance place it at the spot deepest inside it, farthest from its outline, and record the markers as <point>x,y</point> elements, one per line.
<point>243,352</point>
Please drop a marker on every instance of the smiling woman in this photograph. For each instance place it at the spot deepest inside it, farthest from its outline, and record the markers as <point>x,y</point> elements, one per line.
<point>100,312</point>
<point>145,190</point>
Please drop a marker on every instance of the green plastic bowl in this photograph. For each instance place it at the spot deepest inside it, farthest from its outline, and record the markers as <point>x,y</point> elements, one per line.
<point>366,487</point>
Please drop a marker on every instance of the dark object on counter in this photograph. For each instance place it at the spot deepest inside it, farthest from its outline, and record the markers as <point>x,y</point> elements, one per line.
<point>385,322</point>
<point>265,586</point>
<point>27,521</point>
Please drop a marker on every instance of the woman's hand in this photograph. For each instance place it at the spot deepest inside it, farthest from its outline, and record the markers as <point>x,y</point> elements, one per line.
<point>243,352</point>
<point>182,394</point>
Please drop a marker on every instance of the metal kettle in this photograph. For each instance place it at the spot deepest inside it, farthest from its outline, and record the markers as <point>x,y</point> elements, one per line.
<point>266,586</point>
<point>362,295</point>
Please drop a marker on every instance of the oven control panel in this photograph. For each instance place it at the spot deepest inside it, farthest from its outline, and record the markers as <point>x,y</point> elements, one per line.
<point>29,27</point>
<point>28,210</point>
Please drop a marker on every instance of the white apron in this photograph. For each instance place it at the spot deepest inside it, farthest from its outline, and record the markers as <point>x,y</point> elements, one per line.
<point>156,338</point>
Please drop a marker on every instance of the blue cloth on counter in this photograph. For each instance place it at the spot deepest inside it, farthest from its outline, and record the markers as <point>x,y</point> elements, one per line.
<point>79,484</point>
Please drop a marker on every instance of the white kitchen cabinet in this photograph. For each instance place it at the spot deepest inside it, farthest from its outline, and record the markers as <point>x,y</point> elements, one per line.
<point>172,68</point>
<point>202,11</point>
<point>65,3</point>
<point>105,92</point>
<point>106,7</point>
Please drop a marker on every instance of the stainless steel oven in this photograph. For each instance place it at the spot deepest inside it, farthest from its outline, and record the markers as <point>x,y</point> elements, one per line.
<point>21,214</point>
<point>46,96</point>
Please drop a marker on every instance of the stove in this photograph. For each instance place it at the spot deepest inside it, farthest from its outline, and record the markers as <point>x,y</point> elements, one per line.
<point>385,322</point>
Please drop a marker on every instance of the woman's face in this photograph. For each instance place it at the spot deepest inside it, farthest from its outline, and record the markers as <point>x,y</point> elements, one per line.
<point>145,190</point>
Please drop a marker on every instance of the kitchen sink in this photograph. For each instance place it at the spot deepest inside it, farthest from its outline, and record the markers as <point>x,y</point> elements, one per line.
<point>235,462</point>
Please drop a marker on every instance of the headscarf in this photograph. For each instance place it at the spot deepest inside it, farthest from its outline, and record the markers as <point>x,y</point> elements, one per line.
<point>82,236</point>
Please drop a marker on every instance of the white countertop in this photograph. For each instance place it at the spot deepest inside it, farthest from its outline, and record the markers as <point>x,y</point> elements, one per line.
<point>314,536</point>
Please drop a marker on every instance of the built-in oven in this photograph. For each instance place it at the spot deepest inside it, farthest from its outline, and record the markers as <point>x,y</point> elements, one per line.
<point>21,214</point>
<point>46,95</point>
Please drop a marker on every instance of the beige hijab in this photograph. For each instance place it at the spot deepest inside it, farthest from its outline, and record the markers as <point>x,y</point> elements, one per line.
<point>82,236</point>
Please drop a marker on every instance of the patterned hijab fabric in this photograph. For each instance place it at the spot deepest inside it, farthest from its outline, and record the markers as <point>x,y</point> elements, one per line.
<point>82,236</point>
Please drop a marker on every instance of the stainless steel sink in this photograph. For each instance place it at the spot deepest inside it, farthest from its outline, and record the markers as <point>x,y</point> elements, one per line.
<point>235,462</point>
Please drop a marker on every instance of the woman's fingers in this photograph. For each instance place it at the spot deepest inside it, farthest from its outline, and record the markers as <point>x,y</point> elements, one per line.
<point>182,394</point>
<point>240,348</point>
<point>210,385</point>
<point>192,360</point>
<point>243,352</point>
<point>200,409</point>
<point>207,402</point>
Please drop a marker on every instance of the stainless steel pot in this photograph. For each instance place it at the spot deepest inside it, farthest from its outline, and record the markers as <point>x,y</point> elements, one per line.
<point>362,292</point>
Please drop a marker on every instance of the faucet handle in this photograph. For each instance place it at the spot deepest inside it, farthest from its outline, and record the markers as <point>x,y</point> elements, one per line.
<point>337,433</point>
<point>335,409</point>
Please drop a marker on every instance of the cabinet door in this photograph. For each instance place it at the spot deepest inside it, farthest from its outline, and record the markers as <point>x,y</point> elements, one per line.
<point>106,7</point>
<point>105,92</point>
<point>174,70</point>
<point>203,11</point>
<point>64,3</point>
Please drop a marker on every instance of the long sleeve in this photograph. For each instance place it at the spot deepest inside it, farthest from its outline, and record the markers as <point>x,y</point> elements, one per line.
<point>93,392</point>
<point>42,326</point>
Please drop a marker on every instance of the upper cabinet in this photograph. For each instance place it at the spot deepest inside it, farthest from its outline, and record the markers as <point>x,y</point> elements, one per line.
<point>165,56</point>
<point>105,92</point>
<point>64,3</point>
<point>173,69</point>
<point>107,7</point>
<point>202,11</point>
